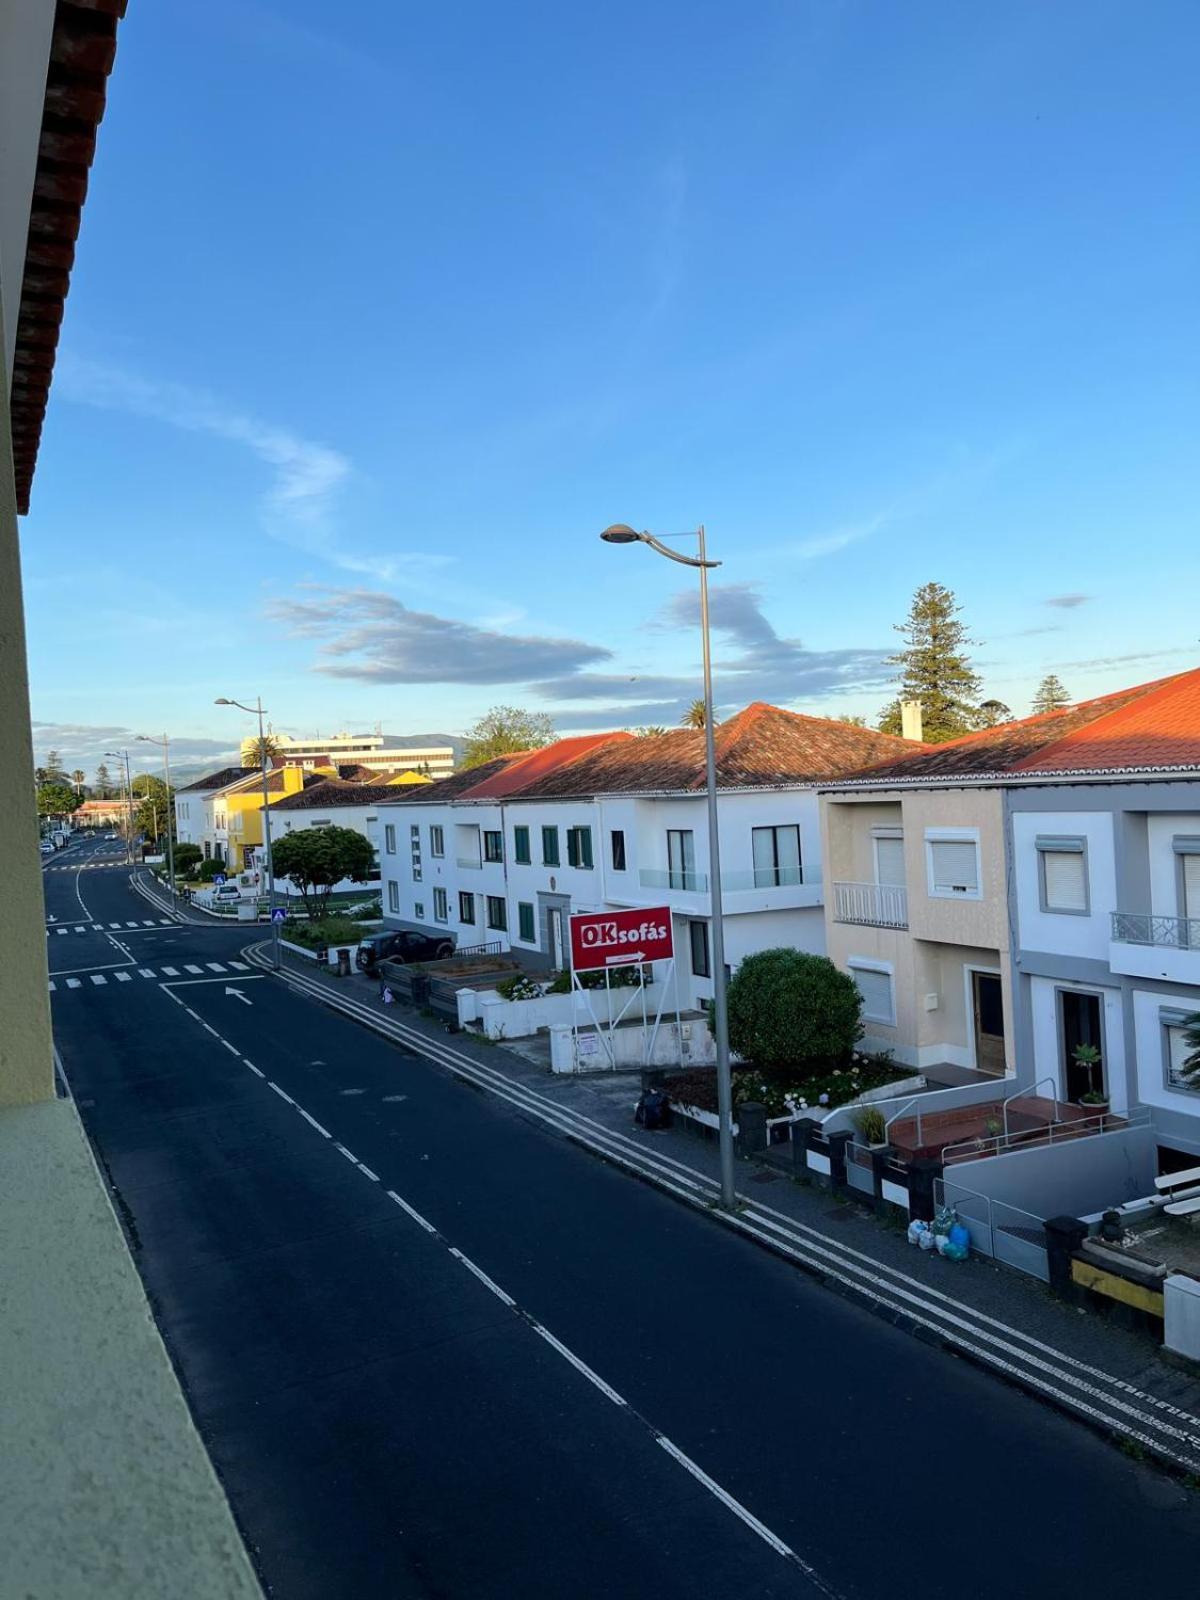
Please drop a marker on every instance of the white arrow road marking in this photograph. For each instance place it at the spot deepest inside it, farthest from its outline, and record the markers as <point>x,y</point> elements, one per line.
<point>239,995</point>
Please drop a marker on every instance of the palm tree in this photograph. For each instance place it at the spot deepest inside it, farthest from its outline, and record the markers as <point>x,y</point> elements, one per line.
<point>266,750</point>
<point>79,778</point>
<point>1191,1038</point>
<point>693,717</point>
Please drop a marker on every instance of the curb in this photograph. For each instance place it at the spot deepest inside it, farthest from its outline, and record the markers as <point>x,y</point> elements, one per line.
<point>1112,1407</point>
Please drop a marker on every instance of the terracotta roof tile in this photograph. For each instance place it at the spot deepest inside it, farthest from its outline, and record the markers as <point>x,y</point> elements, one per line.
<point>217,780</point>
<point>333,793</point>
<point>1151,725</point>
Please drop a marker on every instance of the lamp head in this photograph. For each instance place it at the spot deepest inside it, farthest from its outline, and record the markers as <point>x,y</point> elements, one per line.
<point>620,533</point>
<point>222,702</point>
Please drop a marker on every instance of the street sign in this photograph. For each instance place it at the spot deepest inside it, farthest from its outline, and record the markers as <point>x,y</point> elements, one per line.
<point>279,914</point>
<point>602,939</point>
<point>218,877</point>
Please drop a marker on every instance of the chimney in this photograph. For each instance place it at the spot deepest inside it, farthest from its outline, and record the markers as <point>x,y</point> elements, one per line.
<point>910,720</point>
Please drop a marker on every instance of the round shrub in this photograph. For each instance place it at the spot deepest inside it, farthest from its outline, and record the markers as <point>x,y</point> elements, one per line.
<point>786,1007</point>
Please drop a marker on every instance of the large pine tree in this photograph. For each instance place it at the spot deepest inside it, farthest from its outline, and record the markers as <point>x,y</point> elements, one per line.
<point>1050,696</point>
<point>935,668</point>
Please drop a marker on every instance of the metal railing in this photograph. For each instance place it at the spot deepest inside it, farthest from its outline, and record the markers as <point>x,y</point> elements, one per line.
<point>898,1113</point>
<point>880,905</point>
<point>997,1229</point>
<point>1048,1133</point>
<point>1168,933</point>
<point>469,861</point>
<point>1032,1089</point>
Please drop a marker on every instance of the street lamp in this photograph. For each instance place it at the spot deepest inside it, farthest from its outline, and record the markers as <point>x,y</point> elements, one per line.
<point>145,738</point>
<point>123,755</point>
<point>256,710</point>
<point>622,533</point>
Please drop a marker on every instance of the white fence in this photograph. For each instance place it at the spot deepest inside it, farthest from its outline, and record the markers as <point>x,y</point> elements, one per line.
<point>881,905</point>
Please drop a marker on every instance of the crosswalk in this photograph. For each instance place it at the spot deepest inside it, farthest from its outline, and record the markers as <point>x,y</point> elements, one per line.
<point>117,975</point>
<point>109,927</point>
<point>84,866</point>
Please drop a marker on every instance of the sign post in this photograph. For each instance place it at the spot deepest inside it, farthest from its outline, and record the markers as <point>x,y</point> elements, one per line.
<point>603,940</point>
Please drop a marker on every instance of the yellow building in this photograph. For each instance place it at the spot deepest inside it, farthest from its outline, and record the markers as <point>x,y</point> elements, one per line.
<point>239,808</point>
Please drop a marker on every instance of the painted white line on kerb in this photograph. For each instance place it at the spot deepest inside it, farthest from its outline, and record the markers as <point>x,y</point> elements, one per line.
<point>738,1509</point>
<point>283,1095</point>
<point>415,1215</point>
<point>483,1278</point>
<point>232,1048</point>
<point>363,1168</point>
<point>324,1132</point>
<point>257,1071</point>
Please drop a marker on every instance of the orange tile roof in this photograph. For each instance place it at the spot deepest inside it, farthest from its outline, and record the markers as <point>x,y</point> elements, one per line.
<point>1151,726</point>
<point>536,765</point>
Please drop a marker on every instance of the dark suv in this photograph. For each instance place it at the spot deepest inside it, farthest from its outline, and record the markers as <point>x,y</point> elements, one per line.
<point>402,946</point>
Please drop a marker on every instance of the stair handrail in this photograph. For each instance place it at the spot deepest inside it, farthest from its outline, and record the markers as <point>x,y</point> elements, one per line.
<point>915,1101</point>
<point>1032,1089</point>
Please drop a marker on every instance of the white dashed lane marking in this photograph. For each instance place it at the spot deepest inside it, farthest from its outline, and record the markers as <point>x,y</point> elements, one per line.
<point>187,967</point>
<point>122,977</point>
<point>214,966</point>
<point>72,983</point>
<point>98,977</point>
<point>239,966</point>
<point>53,986</point>
<point>147,972</point>
<point>171,972</point>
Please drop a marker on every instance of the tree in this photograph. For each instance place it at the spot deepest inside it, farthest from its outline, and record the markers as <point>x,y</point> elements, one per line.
<point>1050,696</point>
<point>265,751</point>
<point>79,778</point>
<point>693,717</point>
<point>992,713</point>
<point>54,764</point>
<point>1191,1037</point>
<point>55,800</point>
<point>314,859</point>
<point>851,722</point>
<point>786,1007</point>
<point>187,856</point>
<point>505,730</point>
<point>935,668</point>
<point>103,783</point>
<point>651,731</point>
<point>153,815</point>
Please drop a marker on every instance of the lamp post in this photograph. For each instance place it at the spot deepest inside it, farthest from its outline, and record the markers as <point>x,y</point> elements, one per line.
<point>123,755</point>
<point>621,533</point>
<point>145,738</point>
<point>256,710</point>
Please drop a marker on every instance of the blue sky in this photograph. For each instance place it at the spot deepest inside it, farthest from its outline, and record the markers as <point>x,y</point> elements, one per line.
<point>380,314</point>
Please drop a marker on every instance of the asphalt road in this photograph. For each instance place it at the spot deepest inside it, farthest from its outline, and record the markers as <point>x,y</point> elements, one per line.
<point>628,1402</point>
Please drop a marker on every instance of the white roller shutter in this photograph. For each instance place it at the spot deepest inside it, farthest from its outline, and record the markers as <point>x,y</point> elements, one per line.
<point>955,866</point>
<point>889,861</point>
<point>1191,886</point>
<point>876,990</point>
<point>1066,880</point>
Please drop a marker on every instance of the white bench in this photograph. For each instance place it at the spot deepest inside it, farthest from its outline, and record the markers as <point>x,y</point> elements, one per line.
<point>1182,1189</point>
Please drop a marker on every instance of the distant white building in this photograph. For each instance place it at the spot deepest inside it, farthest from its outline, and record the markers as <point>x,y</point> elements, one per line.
<point>434,755</point>
<point>505,853</point>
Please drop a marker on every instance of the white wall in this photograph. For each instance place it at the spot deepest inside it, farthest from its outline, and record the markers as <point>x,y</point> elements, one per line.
<point>1059,932</point>
<point>25,28</point>
<point>1046,1045</point>
<point>1164,867</point>
<point>1151,1084</point>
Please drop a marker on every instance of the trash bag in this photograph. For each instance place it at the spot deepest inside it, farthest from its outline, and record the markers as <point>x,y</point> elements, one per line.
<point>960,1235</point>
<point>944,1219</point>
<point>915,1230</point>
<point>927,1239</point>
<point>956,1250</point>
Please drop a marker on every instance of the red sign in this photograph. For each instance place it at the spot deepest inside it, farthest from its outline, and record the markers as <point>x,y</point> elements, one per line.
<point>602,939</point>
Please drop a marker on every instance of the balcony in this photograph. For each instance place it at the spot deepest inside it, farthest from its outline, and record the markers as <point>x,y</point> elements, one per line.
<point>472,862</point>
<point>684,882</point>
<point>1147,946</point>
<point>786,887</point>
<point>876,905</point>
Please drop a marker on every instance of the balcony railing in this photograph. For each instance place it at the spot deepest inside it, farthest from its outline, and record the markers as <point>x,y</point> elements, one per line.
<point>880,905</point>
<point>1168,933</point>
<point>469,861</point>
<point>674,878</point>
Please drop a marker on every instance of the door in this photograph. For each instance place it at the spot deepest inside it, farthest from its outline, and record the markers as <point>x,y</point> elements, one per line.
<point>681,858</point>
<point>554,938</point>
<point>1079,1016</point>
<point>987,1005</point>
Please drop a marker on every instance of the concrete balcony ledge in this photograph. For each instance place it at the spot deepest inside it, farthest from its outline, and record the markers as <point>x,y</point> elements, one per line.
<point>105,1485</point>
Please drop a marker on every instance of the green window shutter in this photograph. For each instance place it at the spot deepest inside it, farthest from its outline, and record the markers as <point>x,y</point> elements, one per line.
<point>525,921</point>
<point>585,847</point>
<point>572,847</point>
<point>521,845</point>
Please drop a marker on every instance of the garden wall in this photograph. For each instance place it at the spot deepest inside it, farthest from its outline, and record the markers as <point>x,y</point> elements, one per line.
<point>519,1019</point>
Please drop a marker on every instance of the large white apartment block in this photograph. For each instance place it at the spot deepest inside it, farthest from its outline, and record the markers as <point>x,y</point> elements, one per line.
<point>506,854</point>
<point>432,756</point>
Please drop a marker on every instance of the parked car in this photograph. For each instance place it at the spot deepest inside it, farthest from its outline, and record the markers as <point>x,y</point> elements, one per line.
<point>46,847</point>
<point>402,946</point>
<point>224,892</point>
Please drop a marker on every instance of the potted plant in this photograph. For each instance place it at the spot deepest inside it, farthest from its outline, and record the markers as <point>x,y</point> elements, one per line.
<point>871,1126</point>
<point>1087,1056</point>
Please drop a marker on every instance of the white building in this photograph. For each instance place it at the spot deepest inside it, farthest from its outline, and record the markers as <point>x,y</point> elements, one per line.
<point>434,755</point>
<point>507,852</point>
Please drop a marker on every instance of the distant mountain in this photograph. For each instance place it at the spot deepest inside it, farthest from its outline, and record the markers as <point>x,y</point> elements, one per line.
<point>413,741</point>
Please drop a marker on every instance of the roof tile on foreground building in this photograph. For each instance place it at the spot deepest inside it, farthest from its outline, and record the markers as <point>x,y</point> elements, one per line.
<point>535,765</point>
<point>218,780</point>
<point>455,786</point>
<point>761,747</point>
<point>1151,726</point>
<point>327,793</point>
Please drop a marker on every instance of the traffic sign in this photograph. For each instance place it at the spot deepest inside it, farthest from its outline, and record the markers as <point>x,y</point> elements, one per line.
<point>602,939</point>
<point>279,914</point>
<point>218,877</point>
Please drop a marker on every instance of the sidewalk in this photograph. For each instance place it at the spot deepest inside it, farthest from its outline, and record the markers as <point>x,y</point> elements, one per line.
<point>1114,1378</point>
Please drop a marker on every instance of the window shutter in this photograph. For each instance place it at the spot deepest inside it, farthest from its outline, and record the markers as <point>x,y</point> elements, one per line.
<point>1066,880</point>
<point>1191,886</point>
<point>955,865</point>
<point>876,991</point>
<point>572,847</point>
<point>889,855</point>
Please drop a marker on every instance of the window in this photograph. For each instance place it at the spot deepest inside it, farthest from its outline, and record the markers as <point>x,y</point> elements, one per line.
<point>681,859</point>
<point>952,862</point>
<point>441,909</point>
<point>876,986</point>
<point>419,910</point>
<point>389,838</point>
<point>437,840</point>
<point>521,846</point>
<point>493,845</point>
<point>1062,875</point>
<point>618,849</point>
<point>1176,1050</point>
<point>889,857</point>
<point>393,896</point>
<point>698,938</point>
<point>497,913</point>
<point>550,847</point>
<point>1187,855</point>
<point>466,907</point>
<point>579,847</point>
<point>525,923</point>
<point>776,853</point>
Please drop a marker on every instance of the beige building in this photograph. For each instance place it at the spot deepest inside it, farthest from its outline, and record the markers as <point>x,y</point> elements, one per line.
<point>105,1484</point>
<point>916,910</point>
